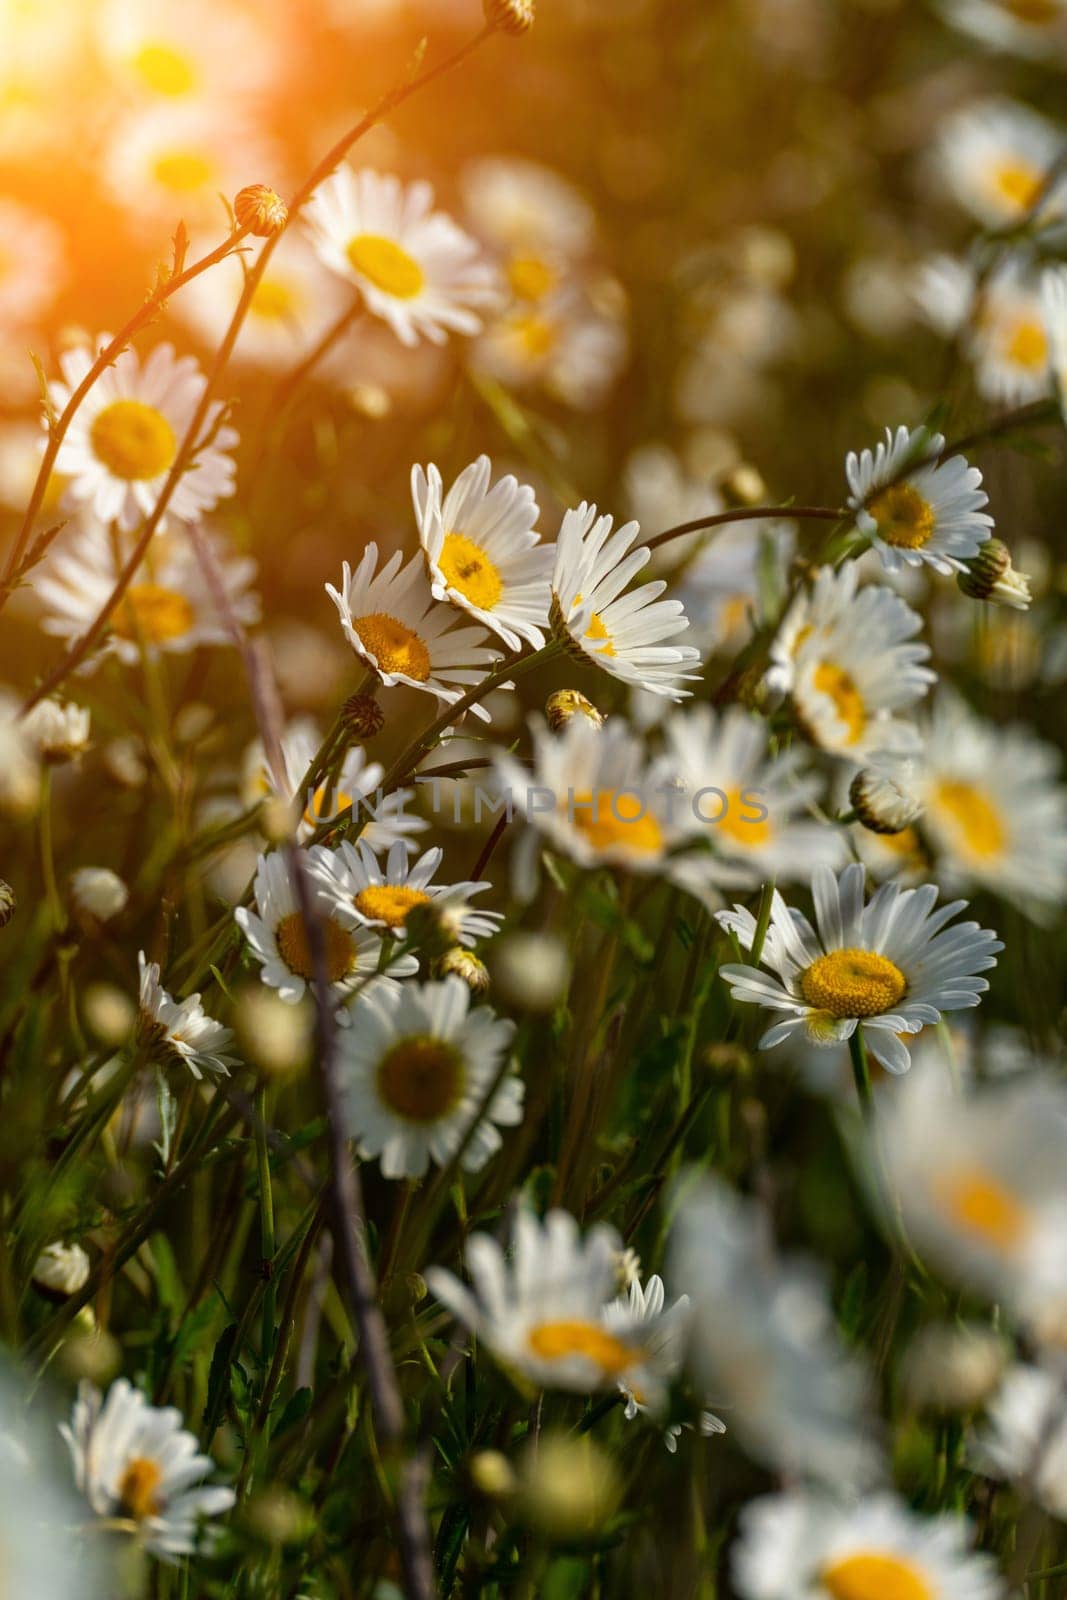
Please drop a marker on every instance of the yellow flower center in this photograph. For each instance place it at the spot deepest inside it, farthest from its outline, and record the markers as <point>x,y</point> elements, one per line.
<point>164,70</point>
<point>597,631</point>
<point>980,1204</point>
<point>139,1489</point>
<point>469,571</point>
<point>294,947</point>
<point>615,819</point>
<point>273,301</point>
<point>905,843</point>
<point>535,335</point>
<point>853,983</point>
<point>838,685</point>
<point>386,265</point>
<point>556,1341</point>
<point>904,517</point>
<point>134,441</point>
<point>152,613</point>
<point>396,649</point>
<point>1018,183</point>
<point>421,1079</point>
<point>530,278</point>
<point>738,824</point>
<point>1027,346</point>
<point>325,803</point>
<point>871,1575</point>
<point>183,171</point>
<point>389,902</point>
<point>981,833</point>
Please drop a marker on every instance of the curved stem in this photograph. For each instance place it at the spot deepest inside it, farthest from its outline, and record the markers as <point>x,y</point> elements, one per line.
<point>749,514</point>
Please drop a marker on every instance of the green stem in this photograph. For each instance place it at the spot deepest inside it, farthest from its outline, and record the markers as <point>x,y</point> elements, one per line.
<point>861,1071</point>
<point>267,1241</point>
<point>48,860</point>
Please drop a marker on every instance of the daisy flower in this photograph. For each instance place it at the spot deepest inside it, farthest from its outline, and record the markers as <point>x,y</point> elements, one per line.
<point>915,513</point>
<point>278,937</point>
<point>574,346</point>
<point>417,1067</point>
<point>1028,27</point>
<point>32,263</point>
<point>645,1304</point>
<point>414,267</point>
<point>136,1465</point>
<point>381,897</point>
<point>482,550</point>
<point>1025,1437</point>
<point>177,158</point>
<point>763,1336</point>
<point>125,436</point>
<point>889,967</point>
<point>877,1548</point>
<point>172,53</point>
<point>531,216</point>
<point>996,156</point>
<point>1011,341</point>
<point>393,624</point>
<point>1054,307</point>
<point>545,1315</point>
<point>180,1031</point>
<point>623,634</point>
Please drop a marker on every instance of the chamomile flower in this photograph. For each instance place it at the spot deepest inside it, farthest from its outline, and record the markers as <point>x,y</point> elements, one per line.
<point>889,967</point>
<point>418,1069</point>
<point>138,1467</point>
<point>126,434</point>
<point>278,935</point>
<point>482,550</point>
<point>171,53</point>
<point>545,1315</point>
<point>645,1303</point>
<point>381,897</point>
<point>31,263</point>
<point>393,624</point>
<point>914,507</point>
<point>624,634</point>
<point>1025,1436</point>
<point>1054,306</point>
<point>531,216</point>
<point>573,346</point>
<point>997,157</point>
<point>1027,27</point>
<point>180,1031</point>
<point>1011,340</point>
<point>877,1548</point>
<point>177,158</point>
<point>414,267</point>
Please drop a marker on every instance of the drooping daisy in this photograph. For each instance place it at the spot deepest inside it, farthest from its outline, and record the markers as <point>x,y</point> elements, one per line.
<point>125,437</point>
<point>645,1303</point>
<point>763,1339</point>
<point>799,1543</point>
<point>889,967</point>
<point>624,634</point>
<point>278,935</point>
<point>482,550</point>
<point>138,1467</point>
<point>180,1030</point>
<point>915,508</point>
<point>1028,27</point>
<point>31,263</point>
<point>996,156</point>
<point>418,1067</point>
<point>178,158</point>
<point>382,897</point>
<point>393,624</point>
<point>161,51</point>
<point>415,268</point>
<point>545,1314</point>
<point>1025,1436</point>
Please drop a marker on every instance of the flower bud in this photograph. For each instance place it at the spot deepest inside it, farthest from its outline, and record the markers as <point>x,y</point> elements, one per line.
<point>261,210</point>
<point>8,903</point>
<point>463,964</point>
<point>530,971</point>
<point>59,731</point>
<point>569,1486</point>
<point>273,1036</point>
<point>991,576</point>
<point>492,1474</point>
<point>278,819</point>
<point>61,1270</point>
<point>566,704</point>
<point>362,716</point>
<point>94,1355</point>
<point>108,1013</point>
<point>882,797</point>
<point>509,16</point>
<point>278,1516</point>
<point>434,927</point>
<point>744,486</point>
<point>953,1369</point>
<point>98,893</point>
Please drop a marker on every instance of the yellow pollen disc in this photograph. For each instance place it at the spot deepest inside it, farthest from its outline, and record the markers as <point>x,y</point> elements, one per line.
<point>536,335</point>
<point>325,803</point>
<point>152,613</point>
<point>1018,183</point>
<point>609,826</point>
<point>421,1079</point>
<point>874,1576</point>
<point>164,70</point>
<point>134,441</point>
<point>1028,346</point>
<point>395,648</point>
<point>530,278</point>
<point>386,265</point>
<point>838,684</point>
<point>469,571</point>
<point>905,843</point>
<point>138,1491</point>
<point>291,937</point>
<point>183,171</point>
<point>904,518</point>
<point>853,983</point>
<point>737,826</point>
<point>273,301</point>
<point>389,902</point>
<point>980,1204</point>
<point>597,631</point>
<point>556,1341</point>
<point>980,830</point>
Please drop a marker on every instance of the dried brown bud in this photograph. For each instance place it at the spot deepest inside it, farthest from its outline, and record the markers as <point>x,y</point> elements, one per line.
<point>510,16</point>
<point>565,704</point>
<point>363,716</point>
<point>261,210</point>
<point>8,903</point>
<point>991,576</point>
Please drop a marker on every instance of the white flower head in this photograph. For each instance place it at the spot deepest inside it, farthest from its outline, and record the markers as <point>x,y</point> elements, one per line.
<point>665,1350</point>
<point>914,507</point>
<point>98,892</point>
<point>381,897</point>
<point>997,157</point>
<point>62,1269</point>
<point>180,1030</point>
<point>1036,28</point>
<point>1025,1437</point>
<point>58,729</point>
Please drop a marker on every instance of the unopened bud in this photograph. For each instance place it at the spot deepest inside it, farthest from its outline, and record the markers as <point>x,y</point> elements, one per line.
<point>59,731</point>
<point>509,16</point>
<point>363,717</point>
<point>261,210</point>
<point>991,576</point>
<point>432,928</point>
<point>883,799</point>
<point>569,1486</point>
<point>98,893</point>
<point>94,1355</point>
<point>278,1516</point>
<point>108,1013</point>
<point>273,1036</point>
<point>744,486</point>
<point>492,1474</point>
<point>8,903</point>
<point>461,963</point>
<point>565,704</point>
<point>726,1060</point>
<point>953,1369</point>
<point>530,971</point>
<point>61,1270</point>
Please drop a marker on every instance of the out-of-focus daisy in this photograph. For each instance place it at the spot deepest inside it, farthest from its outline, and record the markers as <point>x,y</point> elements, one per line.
<point>623,633</point>
<point>661,494</point>
<point>482,550</point>
<point>393,624</point>
<point>529,215</point>
<point>1027,27</point>
<point>546,1313</point>
<point>721,587</point>
<point>1025,1437</point>
<point>574,346</point>
<point>160,50</point>
<point>763,1338</point>
<point>414,267</point>
<point>138,1467</point>
<point>180,1031</point>
<point>98,893</point>
<point>125,437</point>
<point>877,1548</point>
<point>278,935</point>
<point>61,1269</point>
<point>646,1303</point>
<point>169,607</point>
<point>997,157</point>
<point>417,1068</point>
<point>19,768</point>
<point>1010,342</point>
<point>31,263</point>
<point>177,159</point>
<point>381,897</point>
<point>914,513</point>
<point>58,730</point>
<point>1054,306</point>
<point>889,967</point>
